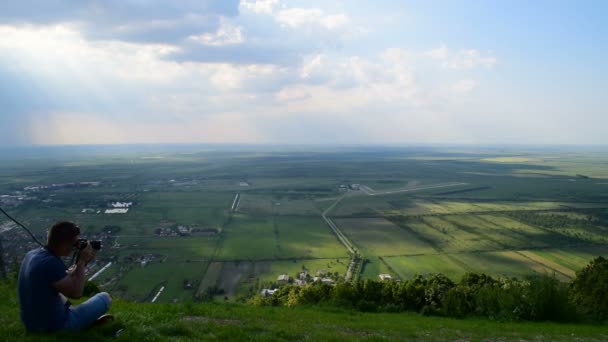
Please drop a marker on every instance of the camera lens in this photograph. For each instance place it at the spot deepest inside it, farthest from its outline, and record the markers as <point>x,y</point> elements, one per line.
<point>96,244</point>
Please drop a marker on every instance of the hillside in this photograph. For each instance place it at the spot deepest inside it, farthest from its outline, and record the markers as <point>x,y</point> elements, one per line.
<point>159,322</point>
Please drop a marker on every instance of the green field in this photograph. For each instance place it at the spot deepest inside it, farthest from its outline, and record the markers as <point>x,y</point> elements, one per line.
<point>406,211</point>
<point>380,237</point>
<point>235,322</point>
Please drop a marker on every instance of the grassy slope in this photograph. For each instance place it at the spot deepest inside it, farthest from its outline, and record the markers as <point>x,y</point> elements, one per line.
<point>154,322</point>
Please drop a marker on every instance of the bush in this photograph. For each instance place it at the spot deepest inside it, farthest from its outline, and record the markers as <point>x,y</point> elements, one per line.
<point>538,298</point>
<point>548,300</point>
<point>589,290</point>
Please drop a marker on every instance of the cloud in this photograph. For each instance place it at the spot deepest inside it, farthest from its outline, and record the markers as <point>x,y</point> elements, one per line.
<point>226,34</point>
<point>271,74</point>
<point>111,12</point>
<point>462,59</point>
<point>259,6</point>
<point>311,17</point>
<point>112,85</point>
<point>440,53</point>
<point>464,86</point>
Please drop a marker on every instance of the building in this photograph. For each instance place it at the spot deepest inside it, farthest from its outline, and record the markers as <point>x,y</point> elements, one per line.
<point>302,275</point>
<point>121,205</point>
<point>385,276</point>
<point>283,279</point>
<point>183,230</point>
<point>268,292</point>
<point>328,281</point>
<point>300,282</point>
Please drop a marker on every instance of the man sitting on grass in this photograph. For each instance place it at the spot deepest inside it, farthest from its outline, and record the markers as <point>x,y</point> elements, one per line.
<point>44,284</point>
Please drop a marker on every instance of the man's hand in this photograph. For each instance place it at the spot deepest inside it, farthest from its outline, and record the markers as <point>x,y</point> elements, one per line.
<point>87,254</point>
<point>71,269</point>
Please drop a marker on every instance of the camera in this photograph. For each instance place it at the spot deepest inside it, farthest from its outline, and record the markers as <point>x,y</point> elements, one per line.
<point>82,244</point>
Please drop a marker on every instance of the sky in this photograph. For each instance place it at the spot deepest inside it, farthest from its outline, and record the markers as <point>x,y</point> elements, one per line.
<point>303,72</point>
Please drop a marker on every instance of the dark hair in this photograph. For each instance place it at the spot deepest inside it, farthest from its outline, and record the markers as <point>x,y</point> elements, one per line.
<point>61,232</point>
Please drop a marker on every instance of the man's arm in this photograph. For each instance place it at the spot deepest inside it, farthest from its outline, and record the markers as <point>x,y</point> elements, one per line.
<point>72,285</point>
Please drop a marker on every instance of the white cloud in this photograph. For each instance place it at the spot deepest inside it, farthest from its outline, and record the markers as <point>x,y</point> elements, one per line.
<point>310,66</point>
<point>311,17</point>
<point>463,87</point>
<point>467,59</point>
<point>440,53</point>
<point>226,34</point>
<point>462,59</point>
<point>259,6</point>
<point>121,92</point>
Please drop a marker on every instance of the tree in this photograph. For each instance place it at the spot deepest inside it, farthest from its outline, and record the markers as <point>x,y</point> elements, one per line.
<point>589,289</point>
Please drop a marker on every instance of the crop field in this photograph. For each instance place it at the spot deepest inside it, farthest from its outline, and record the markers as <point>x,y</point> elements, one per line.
<point>409,266</point>
<point>380,237</point>
<point>178,249</point>
<point>143,282</point>
<point>403,211</point>
<point>278,204</point>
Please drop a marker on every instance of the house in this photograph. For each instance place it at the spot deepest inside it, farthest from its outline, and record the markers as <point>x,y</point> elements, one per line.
<point>328,281</point>
<point>268,292</point>
<point>302,275</point>
<point>300,282</point>
<point>283,279</point>
<point>121,205</point>
<point>385,276</point>
<point>321,273</point>
<point>183,230</point>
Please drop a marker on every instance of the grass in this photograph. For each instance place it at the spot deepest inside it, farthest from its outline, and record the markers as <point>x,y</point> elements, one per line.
<point>254,238</point>
<point>249,238</point>
<point>373,268</point>
<point>211,276</point>
<point>141,283</point>
<point>174,248</point>
<point>278,204</point>
<point>409,266</point>
<point>380,237</point>
<point>506,263</point>
<point>444,229</point>
<point>307,237</point>
<point>570,260</point>
<point>234,322</point>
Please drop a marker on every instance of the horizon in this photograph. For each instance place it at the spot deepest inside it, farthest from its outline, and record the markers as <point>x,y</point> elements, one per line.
<point>303,73</point>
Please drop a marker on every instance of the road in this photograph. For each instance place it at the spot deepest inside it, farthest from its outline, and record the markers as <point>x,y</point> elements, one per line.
<point>100,271</point>
<point>335,228</point>
<point>235,203</point>
<point>371,192</point>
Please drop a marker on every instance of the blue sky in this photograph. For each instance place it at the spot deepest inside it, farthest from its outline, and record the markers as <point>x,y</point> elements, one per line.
<point>312,72</point>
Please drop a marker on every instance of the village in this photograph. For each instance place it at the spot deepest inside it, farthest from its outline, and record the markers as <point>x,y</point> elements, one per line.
<point>303,278</point>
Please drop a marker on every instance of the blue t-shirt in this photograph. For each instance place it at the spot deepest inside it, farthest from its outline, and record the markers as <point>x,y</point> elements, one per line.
<point>42,308</point>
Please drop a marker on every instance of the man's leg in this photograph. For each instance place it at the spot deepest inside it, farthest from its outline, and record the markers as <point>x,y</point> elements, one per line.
<point>85,314</point>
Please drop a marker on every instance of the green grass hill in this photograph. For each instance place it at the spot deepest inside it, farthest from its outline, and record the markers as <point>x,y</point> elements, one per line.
<point>219,321</point>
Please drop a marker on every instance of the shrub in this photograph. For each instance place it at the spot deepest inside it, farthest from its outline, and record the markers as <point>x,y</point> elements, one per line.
<point>589,290</point>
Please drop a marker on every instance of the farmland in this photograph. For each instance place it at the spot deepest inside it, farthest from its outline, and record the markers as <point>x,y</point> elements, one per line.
<point>226,221</point>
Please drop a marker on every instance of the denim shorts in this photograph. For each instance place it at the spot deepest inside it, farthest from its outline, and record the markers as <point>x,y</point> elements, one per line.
<point>85,314</point>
